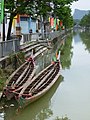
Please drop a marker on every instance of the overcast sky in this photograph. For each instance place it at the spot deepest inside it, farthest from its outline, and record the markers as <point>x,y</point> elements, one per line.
<point>81,4</point>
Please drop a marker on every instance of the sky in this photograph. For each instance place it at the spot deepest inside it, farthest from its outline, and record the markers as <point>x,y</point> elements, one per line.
<point>81,5</point>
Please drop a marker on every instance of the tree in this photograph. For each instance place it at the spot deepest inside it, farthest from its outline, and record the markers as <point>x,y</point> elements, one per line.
<point>64,14</point>
<point>32,7</point>
<point>85,21</point>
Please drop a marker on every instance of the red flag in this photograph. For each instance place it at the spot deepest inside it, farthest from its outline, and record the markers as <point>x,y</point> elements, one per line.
<point>52,22</point>
<point>61,23</point>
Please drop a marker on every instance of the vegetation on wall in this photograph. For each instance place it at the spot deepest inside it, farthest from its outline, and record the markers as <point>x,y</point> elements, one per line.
<point>11,64</point>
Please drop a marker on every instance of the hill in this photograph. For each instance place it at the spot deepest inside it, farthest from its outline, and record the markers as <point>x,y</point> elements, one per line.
<point>78,14</point>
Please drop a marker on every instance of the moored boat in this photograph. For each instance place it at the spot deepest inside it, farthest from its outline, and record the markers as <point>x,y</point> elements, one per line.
<point>39,85</point>
<point>18,78</point>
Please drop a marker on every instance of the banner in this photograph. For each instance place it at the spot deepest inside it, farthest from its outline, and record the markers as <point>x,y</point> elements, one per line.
<point>49,19</point>
<point>56,26</point>
<point>55,23</point>
<point>14,22</point>
<point>58,21</point>
<point>52,22</point>
<point>1,10</point>
<point>61,24</point>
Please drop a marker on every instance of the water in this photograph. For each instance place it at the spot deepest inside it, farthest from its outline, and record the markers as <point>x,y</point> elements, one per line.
<point>73,95</point>
<point>77,83</point>
<point>70,96</point>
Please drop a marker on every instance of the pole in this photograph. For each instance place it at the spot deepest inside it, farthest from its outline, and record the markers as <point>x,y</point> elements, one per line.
<point>2,20</point>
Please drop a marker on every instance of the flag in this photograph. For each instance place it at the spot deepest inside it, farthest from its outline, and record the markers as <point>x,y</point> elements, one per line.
<point>55,23</point>
<point>54,59</point>
<point>58,21</point>
<point>56,54</point>
<point>14,21</point>
<point>58,58</point>
<point>61,24</point>
<point>52,22</point>
<point>49,19</point>
<point>1,10</point>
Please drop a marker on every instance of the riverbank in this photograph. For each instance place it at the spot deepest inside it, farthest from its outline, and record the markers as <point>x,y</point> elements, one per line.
<point>7,71</point>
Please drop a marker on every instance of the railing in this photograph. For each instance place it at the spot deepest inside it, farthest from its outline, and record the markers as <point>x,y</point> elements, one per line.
<point>39,36</point>
<point>8,47</point>
<point>11,46</point>
<point>29,37</point>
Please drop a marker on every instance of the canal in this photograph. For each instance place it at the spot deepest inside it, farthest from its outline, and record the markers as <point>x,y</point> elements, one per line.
<point>70,96</point>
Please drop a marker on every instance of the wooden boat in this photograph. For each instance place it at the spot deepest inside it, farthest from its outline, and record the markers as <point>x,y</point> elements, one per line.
<point>39,85</point>
<point>38,107</point>
<point>18,78</point>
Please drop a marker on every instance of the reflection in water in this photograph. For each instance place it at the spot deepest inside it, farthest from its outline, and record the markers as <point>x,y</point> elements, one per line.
<point>85,37</point>
<point>76,37</point>
<point>66,53</point>
<point>7,109</point>
<point>65,46</point>
<point>2,115</point>
<point>39,110</point>
<point>75,97</point>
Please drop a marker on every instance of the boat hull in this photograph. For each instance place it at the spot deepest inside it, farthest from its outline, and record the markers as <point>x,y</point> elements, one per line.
<point>25,102</point>
<point>8,90</point>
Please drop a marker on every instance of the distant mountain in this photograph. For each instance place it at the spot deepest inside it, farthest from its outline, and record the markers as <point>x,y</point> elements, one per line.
<point>78,14</point>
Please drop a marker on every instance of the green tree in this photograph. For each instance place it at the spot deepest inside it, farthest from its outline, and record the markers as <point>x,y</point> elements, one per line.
<point>85,21</point>
<point>85,37</point>
<point>64,14</point>
<point>32,7</point>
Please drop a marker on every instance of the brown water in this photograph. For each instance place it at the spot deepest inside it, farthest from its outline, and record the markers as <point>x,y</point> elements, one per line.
<point>70,97</point>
